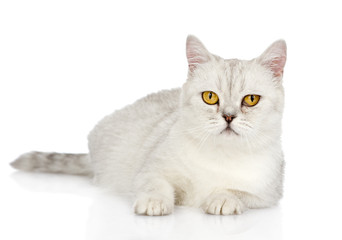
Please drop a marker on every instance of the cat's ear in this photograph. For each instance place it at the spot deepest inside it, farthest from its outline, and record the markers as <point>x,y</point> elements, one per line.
<point>196,53</point>
<point>274,58</point>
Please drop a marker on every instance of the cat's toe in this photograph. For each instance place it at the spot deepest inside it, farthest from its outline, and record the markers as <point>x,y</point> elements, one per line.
<point>153,207</point>
<point>215,207</point>
<point>233,206</point>
<point>224,205</point>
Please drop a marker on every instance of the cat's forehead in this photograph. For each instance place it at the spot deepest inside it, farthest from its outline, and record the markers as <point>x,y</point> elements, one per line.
<point>236,76</point>
<point>229,76</point>
<point>233,77</point>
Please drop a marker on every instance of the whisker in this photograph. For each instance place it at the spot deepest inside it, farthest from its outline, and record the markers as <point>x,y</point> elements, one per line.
<point>203,141</point>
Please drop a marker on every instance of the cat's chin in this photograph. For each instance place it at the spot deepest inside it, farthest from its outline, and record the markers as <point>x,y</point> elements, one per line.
<point>229,132</point>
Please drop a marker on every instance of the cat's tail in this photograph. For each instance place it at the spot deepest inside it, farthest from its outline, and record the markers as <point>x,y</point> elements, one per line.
<point>51,162</point>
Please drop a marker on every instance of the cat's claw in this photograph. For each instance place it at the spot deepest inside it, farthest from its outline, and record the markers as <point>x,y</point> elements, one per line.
<point>153,206</point>
<point>223,204</point>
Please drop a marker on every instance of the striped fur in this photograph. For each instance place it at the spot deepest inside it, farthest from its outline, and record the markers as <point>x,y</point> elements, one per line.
<point>52,162</point>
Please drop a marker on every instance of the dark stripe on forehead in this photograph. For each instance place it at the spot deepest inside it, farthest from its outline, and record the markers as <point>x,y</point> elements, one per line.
<point>236,75</point>
<point>231,77</point>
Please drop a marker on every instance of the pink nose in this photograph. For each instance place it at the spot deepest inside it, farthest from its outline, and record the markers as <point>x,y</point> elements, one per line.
<point>228,118</point>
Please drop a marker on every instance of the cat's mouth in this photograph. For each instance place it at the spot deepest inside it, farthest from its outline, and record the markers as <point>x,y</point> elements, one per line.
<point>228,130</point>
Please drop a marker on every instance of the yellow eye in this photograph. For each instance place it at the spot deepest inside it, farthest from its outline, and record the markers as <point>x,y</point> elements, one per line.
<point>251,100</point>
<point>210,98</point>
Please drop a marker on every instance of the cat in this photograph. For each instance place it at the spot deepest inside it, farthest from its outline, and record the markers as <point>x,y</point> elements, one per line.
<point>213,144</point>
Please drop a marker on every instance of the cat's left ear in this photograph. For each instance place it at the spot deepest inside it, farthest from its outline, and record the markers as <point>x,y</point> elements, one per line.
<point>274,58</point>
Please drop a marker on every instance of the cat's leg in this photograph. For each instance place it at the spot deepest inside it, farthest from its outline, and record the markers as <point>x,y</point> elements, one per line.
<point>253,201</point>
<point>223,202</point>
<point>155,195</point>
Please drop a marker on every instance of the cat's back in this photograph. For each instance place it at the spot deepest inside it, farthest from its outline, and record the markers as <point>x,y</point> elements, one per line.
<point>120,137</point>
<point>137,119</point>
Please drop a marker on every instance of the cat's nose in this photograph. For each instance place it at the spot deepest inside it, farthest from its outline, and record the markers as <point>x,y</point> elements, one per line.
<point>228,118</point>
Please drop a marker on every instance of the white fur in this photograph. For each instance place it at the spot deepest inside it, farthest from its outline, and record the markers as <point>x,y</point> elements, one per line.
<point>171,147</point>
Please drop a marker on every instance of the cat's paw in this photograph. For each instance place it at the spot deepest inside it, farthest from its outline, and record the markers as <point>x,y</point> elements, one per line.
<point>223,204</point>
<point>153,206</point>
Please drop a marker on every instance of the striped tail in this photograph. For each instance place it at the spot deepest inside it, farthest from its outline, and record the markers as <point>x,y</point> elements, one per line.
<point>77,164</point>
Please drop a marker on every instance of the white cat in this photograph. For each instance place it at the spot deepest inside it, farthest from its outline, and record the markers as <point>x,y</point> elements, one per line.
<point>214,143</point>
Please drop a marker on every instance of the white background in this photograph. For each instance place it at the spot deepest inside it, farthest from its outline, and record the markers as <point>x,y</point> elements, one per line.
<point>65,64</point>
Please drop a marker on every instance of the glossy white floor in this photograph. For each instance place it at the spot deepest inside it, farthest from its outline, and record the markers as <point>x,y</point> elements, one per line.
<point>65,64</point>
<point>43,206</point>
<point>64,207</point>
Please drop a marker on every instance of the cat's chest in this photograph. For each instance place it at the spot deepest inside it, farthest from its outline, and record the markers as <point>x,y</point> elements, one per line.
<point>214,170</point>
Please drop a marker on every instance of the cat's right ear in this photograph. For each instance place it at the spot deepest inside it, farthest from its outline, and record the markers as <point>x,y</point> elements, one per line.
<point>196,53</point>
<point>274,58</point>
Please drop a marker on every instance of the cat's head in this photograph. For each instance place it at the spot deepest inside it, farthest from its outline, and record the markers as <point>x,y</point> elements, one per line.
<point>233,100</point>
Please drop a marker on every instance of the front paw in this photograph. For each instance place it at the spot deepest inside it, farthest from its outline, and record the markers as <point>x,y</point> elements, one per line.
<point>223,204</point>
<point>153,205</point>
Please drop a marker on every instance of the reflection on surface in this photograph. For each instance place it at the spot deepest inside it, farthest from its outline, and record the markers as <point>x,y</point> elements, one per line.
<point>111,216</point>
